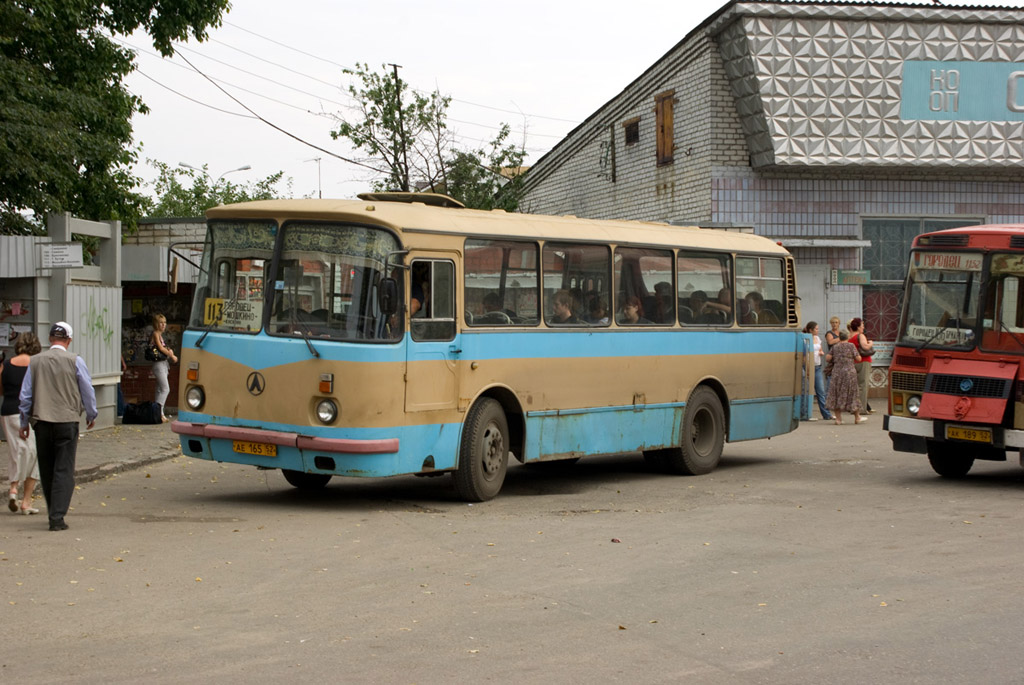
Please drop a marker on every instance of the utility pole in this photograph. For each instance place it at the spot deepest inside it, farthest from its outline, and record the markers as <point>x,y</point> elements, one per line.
<point>401,130</point>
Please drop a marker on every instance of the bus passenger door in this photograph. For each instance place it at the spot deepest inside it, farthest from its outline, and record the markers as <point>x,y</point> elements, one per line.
<point>431,381</point>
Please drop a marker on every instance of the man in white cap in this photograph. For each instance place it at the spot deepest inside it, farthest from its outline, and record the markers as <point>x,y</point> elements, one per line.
<point>56,389</point>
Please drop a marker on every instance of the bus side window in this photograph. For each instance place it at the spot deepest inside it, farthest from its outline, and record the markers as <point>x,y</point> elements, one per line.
<point>433,299</point>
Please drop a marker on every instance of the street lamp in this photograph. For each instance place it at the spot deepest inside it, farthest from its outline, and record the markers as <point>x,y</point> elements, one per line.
<point>207,174</point>
<point>319,186</point>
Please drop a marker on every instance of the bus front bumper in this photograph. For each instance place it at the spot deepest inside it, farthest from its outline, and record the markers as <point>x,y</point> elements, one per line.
<point>283,439</point>
<point>912,435</point>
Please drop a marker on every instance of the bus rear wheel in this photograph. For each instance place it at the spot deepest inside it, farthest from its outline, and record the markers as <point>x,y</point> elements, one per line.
<point>949,460</point>
<point>483,455</point>
<point>306,481</point>
<point>703,436</point>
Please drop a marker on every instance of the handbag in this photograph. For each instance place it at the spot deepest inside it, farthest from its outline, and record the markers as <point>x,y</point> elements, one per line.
<point>828,367</point>
<point>153,354</point>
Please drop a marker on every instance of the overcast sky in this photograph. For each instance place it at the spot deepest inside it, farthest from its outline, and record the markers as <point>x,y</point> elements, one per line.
<point>542,67</point>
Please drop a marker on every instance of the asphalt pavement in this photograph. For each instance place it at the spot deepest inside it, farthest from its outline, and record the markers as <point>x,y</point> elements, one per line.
<point>107,451</point>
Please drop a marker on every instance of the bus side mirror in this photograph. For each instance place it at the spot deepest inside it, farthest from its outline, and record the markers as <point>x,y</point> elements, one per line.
<point>388,296</point>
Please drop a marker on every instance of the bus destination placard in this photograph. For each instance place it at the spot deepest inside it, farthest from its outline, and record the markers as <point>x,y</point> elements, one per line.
<point>948,261</point>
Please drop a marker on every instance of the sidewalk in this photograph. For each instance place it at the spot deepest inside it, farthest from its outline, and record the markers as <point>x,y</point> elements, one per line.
<point>112,450</point>
<point>121,448</point>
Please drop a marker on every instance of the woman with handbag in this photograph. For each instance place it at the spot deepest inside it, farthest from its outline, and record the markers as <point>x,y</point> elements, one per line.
<point>865,348</point>
<point>843,394</point>
<point>161,353</point>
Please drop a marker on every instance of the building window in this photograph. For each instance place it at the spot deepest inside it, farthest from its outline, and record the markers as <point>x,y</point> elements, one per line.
<point>632,131</point>
<point>886,259</point>
<point>663,123</point>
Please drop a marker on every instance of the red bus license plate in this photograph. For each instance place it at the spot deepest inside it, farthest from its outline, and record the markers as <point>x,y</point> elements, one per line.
<point>260,449</point>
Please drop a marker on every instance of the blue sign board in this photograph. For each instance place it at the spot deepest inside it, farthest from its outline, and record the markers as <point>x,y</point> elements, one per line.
<point>962,91</point>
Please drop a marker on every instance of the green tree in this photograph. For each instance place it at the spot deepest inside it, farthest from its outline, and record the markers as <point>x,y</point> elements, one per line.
<point>177,199</point>
<point>65,114</point>
<point>405,137</point>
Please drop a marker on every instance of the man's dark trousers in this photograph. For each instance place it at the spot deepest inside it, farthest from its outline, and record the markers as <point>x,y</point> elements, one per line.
<point>56,445</point>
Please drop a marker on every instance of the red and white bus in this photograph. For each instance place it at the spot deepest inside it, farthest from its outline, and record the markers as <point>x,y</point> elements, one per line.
<point>956,389</point>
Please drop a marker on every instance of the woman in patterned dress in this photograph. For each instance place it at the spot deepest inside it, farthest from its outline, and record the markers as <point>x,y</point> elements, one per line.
<point>843,391</point>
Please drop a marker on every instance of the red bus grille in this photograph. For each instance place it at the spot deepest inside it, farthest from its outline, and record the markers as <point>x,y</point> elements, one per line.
<point>911,382</point>
<point>969,386</point>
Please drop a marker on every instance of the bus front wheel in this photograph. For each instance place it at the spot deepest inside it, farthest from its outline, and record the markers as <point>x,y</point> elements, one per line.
<point>483,455</point>
<point>703,436</point>
<point>948,460</point>
<point>306,481</point>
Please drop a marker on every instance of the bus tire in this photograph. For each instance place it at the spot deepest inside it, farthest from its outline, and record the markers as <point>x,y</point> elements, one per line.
<point>483,454</point>
<point>703,435</point>
<point>306,481</point>
<point>948,460</point>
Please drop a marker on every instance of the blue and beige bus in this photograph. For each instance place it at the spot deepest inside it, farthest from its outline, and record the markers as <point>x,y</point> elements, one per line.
<point>405,334</point>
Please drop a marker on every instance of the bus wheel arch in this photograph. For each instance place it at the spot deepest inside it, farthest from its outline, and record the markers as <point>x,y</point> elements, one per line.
<point>513,416</point>
<point>483,451</point>
<point>702,433</point>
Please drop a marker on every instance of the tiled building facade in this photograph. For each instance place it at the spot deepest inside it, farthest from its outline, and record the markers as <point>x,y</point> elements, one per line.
<point>841,130</point>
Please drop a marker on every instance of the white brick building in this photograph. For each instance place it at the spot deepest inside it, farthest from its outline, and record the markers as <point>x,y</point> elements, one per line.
<point>841,130</point>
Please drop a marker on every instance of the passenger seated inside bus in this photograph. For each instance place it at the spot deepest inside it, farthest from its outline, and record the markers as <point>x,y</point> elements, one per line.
<point>420,297</point>
<point>757,313</point>
<point>632,313</point>
<point>561,310</point>
<point>685,313</point>
<point>493,312</point>
<point>723,305</point>
<point>660,309</point>
<point>597,313</point>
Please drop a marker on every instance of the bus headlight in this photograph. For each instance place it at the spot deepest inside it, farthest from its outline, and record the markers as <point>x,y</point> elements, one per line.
<point>326,411</point>
<point>914,405</point>
<point>195,398</point>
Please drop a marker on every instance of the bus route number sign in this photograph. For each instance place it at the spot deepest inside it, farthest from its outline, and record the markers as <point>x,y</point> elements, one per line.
<point>239,314</point>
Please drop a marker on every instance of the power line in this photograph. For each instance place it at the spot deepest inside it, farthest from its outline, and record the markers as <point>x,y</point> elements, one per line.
<point>198,102</point>
<point>278,128</point>
<point>342,66</point>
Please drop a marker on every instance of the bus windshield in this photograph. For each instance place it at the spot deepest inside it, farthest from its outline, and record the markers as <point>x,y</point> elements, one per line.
<point>327,283</point>
<point>942,300</point>
<point>229,293</point>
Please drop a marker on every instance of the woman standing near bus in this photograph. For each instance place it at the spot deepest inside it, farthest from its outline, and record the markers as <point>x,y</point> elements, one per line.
<point>162,367</point>
<point>865,348</point>
<point>842,391</point>
<point>819,370</point>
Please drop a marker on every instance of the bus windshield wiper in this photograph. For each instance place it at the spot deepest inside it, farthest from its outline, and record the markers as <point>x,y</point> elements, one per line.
<point>304,329</point>
<point>209,327</point>
<point>1012,334</point>
<point>939,332</point>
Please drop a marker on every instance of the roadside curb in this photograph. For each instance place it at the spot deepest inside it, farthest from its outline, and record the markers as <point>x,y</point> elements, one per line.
<point>94,473</point>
